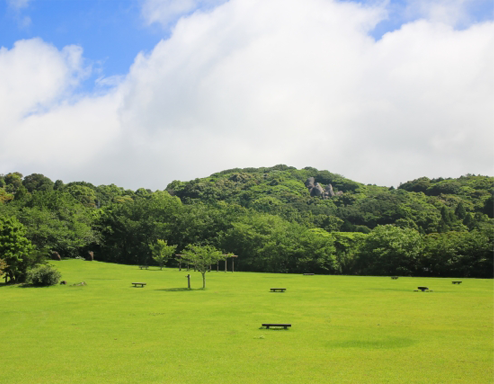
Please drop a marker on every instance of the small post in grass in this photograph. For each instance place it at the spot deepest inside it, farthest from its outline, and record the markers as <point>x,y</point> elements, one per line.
<point>188,280</point>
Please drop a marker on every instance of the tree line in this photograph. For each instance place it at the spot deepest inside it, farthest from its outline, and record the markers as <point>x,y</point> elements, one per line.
<point>266,216</point>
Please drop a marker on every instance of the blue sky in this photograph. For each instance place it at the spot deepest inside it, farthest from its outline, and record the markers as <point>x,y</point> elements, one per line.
<point>111,32</point>
<point>378,78</point>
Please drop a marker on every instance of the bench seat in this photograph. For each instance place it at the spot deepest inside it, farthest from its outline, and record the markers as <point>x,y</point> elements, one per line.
<point>267,325</point>
<point>278,289</point>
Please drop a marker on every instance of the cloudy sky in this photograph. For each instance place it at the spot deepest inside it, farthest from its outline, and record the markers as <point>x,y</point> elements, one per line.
<point>143,92</point>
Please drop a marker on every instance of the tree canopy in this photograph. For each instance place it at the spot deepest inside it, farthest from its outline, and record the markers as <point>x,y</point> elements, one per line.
<point>202,257</point>
<point>269,218</point>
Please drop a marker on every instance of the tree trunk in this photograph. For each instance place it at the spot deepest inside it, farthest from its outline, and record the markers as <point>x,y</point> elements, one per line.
<point>203,280</point>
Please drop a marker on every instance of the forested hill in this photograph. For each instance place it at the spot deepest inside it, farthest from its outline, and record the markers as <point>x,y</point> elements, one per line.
<point>278,219</point>
<point>426,205</point>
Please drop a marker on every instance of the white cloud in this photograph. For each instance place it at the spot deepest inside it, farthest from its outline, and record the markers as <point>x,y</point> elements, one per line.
<point>167,12</point>
<point>42,125</point>
<point>257,83</point>
<point>18,4</point>
<point>452,12</point>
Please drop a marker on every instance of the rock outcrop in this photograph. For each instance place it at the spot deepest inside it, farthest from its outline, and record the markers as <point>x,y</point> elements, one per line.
<point>315,189</point>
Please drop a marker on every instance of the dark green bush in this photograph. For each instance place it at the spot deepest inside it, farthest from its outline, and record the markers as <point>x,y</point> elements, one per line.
<point>43,275</point>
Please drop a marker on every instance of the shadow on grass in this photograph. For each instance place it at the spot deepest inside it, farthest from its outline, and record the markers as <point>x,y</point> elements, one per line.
<point>388,343</point>
<point>32,286</point>
<point>20,285</point>
<point>151,270</point>
<point>274,329</point>
<point>179,289</point>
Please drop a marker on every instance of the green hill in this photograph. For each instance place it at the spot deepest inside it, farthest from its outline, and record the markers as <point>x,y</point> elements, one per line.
<point>277,219</point>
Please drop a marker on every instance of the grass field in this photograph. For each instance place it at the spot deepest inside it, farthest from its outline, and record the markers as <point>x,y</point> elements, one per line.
<point>344,329</point>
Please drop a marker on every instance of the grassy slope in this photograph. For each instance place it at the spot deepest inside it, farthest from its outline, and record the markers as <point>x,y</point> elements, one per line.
<point>344,329</point>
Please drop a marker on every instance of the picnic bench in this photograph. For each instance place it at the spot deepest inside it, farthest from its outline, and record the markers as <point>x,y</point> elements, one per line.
<point>456,281</point>
<point>423,289</point>
<point>276,325</point>
<point>141,284</point>
<point>278,289</point>
<point>143,266</point>
<point>394,277</point>
<point>308,274</point>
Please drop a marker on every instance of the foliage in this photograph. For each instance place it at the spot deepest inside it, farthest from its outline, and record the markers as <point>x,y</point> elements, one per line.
<point>161,251</point>
<point>267,217</point>
<point>15,249</point>
<point>202,257</point>
<point>57,221</point>
<point>43,275</point>
<point>37,182</point>
<point>3,266</point>
<point>390,250</point>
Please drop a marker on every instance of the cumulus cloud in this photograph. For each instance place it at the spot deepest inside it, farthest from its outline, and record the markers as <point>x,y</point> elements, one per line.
<point>43,126</point>
<point>18,4</point>
<point>167,12</point>
<point>452,12</point>
<point>258,83</point>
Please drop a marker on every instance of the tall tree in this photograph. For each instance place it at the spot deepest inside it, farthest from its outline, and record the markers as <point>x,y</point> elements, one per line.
<point>15,249</point>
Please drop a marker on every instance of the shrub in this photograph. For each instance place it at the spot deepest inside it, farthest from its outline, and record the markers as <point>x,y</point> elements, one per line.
<point>43,275</point>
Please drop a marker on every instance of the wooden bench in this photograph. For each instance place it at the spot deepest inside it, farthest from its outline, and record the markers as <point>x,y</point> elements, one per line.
<point>308,274</point>
<point>277,325</point>
<point>278,289</point>
<point>394,277</point>
<point>423,289</point>
<point>143,266</point>
<point>141,284</point>
<point>456,281</point>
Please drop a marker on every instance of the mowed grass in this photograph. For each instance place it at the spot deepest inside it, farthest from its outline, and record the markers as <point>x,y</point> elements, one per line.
<point>345,329</point>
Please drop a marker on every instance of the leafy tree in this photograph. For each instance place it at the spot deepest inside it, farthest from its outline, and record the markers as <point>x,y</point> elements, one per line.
<point>37,182</point>
<point>15,249</point>
<point>489,205</point>
<point>84,194</point>
<point>444,187</point>
<point>390,250</point>
<point>13,181</point>
<point>5,196</point>
<point>346,249</point>
<point>459,254</point>
<point>161,251</point>
<point>202,256</point>
<point>417,185</point>
<point>56,221</point>
<point>129,227</point>
<point>21,193</point>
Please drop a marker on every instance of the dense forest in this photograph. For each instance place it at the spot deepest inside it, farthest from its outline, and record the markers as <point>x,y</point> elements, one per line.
<point>276,219</point>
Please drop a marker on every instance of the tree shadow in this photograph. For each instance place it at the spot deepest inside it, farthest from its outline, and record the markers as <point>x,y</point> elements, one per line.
<point>179,289</point>
<point>32,286</point>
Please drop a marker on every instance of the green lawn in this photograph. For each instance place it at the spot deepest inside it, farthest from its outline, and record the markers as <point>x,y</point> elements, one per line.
<point>344,329</point>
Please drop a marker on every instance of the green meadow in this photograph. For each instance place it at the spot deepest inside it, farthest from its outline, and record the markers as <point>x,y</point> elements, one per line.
<point>345,329</point>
